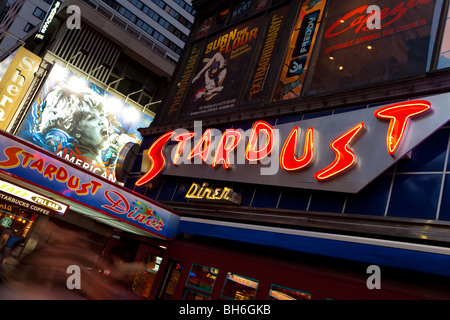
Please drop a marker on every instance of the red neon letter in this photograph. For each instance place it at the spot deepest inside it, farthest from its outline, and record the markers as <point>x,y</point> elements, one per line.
<point>399,114</point>
<point>253,155</point>
<point>224,149</point>
<point>156,156</point>
<point>181,138</point>
<point>345,158</point>
<point>288,160</point>
<point>202,147</point>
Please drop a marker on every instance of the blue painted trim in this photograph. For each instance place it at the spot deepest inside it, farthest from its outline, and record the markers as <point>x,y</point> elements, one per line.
<point>433,263</point>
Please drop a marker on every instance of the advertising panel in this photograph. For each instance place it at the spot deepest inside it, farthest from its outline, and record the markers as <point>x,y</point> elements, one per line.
<point>259,86</point>
<point>300,48</point>
<point>40,168</point>
<point>218,78</point>
<point>15,83</point>
<point>184,81</point>
<point>365,43</point>
<point>82,123</point>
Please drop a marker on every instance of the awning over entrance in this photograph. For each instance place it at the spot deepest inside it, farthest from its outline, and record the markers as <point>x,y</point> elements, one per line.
<point>28,166</point>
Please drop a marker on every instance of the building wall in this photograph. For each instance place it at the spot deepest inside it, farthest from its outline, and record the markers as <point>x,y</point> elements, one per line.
<point>16,20</point>
<point>407,203</point>
<point>386,196</point>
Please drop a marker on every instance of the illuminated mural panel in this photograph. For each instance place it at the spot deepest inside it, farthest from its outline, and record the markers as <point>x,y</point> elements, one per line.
<point>82,123</point>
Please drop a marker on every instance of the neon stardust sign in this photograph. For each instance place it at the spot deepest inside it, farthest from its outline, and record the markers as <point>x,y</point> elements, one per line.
<point>398,115</point>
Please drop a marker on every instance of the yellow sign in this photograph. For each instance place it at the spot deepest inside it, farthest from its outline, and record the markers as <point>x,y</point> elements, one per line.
<point>15,83</point>
<point>8,189</point>
<point>203,192</point>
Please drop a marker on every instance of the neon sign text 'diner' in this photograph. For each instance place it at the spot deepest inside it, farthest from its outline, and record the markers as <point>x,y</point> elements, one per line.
<point>399,115</point>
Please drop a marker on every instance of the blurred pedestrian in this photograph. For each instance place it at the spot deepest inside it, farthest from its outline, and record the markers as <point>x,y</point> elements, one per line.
<point>44,274</point>
<point>11,243</point>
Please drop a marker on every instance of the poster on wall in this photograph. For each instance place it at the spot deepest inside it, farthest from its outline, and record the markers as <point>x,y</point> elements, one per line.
<point>82,123</point>
<point>299,51</point>
<point>184,81</point>
<point>361,47</point>
<point>217,80</point>
<point>274,30</point>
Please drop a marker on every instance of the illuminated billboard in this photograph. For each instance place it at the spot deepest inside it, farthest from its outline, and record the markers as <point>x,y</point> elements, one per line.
<point>217,80</point>
<point>353,54</point>
<point>298,56</point>
<point>15,81</point>
<point>81,122</point>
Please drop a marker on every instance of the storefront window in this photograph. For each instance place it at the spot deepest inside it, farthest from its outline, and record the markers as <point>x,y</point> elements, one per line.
<point>20,221</point>
<point>444,54</point>
<point>362,45</point>
<point>282,293</point>
<point>202,277</point>
<point>143,281</point>
<point>239,288</point>
<point>174,276</point>
<point>191,295</point>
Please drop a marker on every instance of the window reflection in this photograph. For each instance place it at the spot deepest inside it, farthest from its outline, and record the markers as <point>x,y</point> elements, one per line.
<point>191,295</point>
<point>351,54</point>
<point>239,288</point>
<point>282,293</point>
<point>202,277</point>
<point>444,55</point>
<point>143,281</point>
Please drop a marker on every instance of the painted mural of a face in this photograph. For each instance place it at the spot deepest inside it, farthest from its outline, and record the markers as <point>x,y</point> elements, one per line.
<point>80,114</point>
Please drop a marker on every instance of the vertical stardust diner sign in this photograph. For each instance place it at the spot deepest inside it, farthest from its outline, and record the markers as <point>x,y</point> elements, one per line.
<point>43,169</point>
